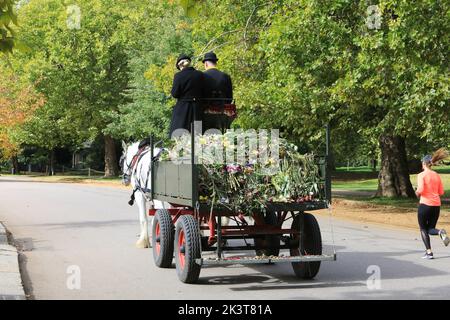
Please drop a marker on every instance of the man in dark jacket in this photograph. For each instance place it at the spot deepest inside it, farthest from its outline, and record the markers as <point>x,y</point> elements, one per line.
<point>188,90</point>
<point>218,94</point>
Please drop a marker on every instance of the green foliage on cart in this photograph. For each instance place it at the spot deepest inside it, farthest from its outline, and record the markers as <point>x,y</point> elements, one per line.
<point>244,179</point>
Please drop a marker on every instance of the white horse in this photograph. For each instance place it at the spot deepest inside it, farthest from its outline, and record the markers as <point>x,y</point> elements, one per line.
<point>136,171</point>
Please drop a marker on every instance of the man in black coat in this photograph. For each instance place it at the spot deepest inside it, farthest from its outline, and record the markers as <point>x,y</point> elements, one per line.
<point>188,90</point>
<point>218,94</point>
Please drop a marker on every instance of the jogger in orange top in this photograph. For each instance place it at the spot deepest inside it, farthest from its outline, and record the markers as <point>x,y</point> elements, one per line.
<point>429,189</point>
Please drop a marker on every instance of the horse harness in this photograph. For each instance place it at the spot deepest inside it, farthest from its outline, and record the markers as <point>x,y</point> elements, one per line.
<point>133,165</point>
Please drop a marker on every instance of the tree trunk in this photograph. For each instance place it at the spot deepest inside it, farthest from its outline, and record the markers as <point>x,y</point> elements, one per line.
<point>393,180</point>
<point>373,164</point>
<point>111,165</point>
<point>15,164</point>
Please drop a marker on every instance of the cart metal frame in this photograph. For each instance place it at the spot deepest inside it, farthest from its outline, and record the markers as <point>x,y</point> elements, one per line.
<point>177,184</point>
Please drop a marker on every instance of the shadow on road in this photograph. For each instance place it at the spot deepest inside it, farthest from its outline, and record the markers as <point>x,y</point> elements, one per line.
<point>267,282</point>
<point>350,270</point>
<point>229,280</point>
<point>419,293</point>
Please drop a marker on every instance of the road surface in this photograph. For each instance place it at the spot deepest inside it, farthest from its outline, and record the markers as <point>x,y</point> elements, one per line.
<point>91,229</point>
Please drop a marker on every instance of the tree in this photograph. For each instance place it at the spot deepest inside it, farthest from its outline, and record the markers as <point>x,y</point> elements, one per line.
<point>376,71</point>
<point>396,86</point>
<point>84,68</point>
<point>7,18</point>
<point>18,102</point>
<point>300,64</point>
<point>163,32</point>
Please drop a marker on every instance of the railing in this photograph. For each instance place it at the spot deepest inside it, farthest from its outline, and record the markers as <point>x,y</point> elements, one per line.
<point>89,172</point>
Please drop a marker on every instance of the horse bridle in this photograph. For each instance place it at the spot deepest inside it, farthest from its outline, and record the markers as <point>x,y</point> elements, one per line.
<point>133,161</point>
<point>126,172</point>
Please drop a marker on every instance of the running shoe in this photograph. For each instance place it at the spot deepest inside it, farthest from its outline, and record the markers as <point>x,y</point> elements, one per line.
<point>444,237</point>
<point>428,256</point>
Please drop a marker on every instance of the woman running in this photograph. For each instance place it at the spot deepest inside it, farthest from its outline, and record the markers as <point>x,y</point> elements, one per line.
<point>429,189</point>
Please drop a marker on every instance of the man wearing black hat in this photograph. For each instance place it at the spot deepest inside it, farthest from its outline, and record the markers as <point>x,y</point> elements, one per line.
<point>188,90</point>
<point>218,95</point>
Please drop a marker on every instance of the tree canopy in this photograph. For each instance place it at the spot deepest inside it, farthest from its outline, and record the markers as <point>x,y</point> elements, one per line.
<point>7,19</point>
<point>18,102</point>
<point>375,70</point>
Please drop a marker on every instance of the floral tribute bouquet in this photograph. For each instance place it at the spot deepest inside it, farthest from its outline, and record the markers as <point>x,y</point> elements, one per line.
<point>244,174</point>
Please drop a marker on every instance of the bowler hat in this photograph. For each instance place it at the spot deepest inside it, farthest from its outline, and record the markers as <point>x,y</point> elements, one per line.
<point>210,56</point>
<point>182,57</point>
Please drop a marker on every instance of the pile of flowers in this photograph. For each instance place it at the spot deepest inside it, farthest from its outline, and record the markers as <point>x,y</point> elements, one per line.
<point>244,174</point>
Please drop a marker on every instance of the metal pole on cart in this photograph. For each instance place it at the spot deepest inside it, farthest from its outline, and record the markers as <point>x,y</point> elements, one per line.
<point>219,235</point>
<point>327,168</point>
<point>151,167</point>
<point>328,183</point>
<point>194,171</point>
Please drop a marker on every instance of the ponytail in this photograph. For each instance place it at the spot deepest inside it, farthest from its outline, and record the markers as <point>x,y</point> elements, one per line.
<point>439,155</point>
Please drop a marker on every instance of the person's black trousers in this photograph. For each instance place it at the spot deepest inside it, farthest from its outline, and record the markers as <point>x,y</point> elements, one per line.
<point>428,217</point>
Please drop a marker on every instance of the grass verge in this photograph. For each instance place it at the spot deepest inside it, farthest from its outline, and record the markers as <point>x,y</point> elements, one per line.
<point>355,186</point>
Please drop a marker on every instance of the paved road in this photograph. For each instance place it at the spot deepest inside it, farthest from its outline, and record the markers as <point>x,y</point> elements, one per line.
<point>61,225</point>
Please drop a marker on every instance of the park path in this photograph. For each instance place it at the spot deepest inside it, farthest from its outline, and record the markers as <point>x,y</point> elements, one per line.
<point>61,225</point>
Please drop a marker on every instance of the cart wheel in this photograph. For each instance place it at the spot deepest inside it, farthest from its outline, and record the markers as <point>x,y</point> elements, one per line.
<point>162,239</point>
<point>272,241</point>
<point>187,249</point>
<point>311,244</point>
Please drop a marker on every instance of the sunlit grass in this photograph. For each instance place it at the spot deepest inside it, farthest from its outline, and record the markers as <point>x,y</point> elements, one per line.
<point>64,177</point>
<point>371,185</point>
<point>355,169</point>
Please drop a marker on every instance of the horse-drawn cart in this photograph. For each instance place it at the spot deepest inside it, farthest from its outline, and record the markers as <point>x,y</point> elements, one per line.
<point>191,228</point>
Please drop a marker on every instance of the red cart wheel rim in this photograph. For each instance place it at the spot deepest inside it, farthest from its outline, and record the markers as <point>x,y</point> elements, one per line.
<point>158,237</point>
<point>181,244</point>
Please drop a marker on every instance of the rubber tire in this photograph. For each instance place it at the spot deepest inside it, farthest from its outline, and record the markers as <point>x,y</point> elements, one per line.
<point>271,240</point>
<point>167,231</point>
<point>191,271</point>
<point>311,244</point>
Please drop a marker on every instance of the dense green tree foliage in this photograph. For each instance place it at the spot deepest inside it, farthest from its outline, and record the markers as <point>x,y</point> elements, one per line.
<point>164,33</point>
<point>7,19</point>
<point>375,70</point>
<point>78,56</point>
<point>300,64</point>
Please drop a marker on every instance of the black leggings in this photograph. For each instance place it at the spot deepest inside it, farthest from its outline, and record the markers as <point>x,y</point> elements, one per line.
<point>428,217</point>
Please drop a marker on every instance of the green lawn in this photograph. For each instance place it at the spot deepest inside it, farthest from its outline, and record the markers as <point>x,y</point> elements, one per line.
<point>355,169</point>
<point>357,185</point>
<point>356,180</point>
<point>440,169</point>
